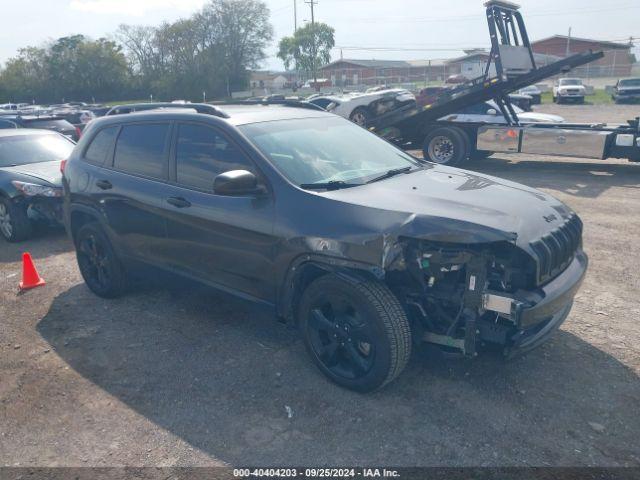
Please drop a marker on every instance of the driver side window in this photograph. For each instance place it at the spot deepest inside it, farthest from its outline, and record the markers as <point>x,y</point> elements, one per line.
<point>202,154</point>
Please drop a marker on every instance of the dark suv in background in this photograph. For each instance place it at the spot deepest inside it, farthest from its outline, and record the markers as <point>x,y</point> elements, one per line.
<point>365,248</point>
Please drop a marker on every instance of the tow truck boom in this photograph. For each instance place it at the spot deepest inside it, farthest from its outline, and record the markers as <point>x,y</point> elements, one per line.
<point>511,66</point>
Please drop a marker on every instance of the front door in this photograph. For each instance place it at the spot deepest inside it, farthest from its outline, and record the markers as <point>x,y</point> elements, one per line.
<point>227,241</point>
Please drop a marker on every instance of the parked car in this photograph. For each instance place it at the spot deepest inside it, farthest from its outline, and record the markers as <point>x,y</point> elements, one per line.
<point>456,79</point>
<point>361,108</point>
<point>366,249</point>
<point>429,95</point>
<point>46,122</point>
<point>524,102</point>
<point>627,90</point>
<point>534,92</point>
<point>488,112</point>
<point>99,110</point>
<point>569,90</point>
<point>30,180</point>
<point>74,115</point>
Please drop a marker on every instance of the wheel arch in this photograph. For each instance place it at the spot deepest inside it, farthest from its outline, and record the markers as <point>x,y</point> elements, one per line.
<point>307,268</point>
<point>80,215</point>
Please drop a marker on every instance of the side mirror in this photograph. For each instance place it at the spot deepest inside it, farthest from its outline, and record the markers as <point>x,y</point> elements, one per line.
<point>236,182</point>
<point>492,111</point>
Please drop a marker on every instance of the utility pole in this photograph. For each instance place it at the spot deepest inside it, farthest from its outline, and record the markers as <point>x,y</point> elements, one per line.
<point>314,53</point>
<point>568,52</point>
<point>295,15</point>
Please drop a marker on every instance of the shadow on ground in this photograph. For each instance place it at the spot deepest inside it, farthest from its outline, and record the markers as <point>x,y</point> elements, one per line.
<point>219,375</point>
<point>578,178</point>
<point>46,242</point>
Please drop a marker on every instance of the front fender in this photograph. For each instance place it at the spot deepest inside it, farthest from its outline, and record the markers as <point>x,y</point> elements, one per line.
<point>316,265</point>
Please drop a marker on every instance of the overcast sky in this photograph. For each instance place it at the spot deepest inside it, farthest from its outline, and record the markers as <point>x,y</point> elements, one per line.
<point>366,29</point>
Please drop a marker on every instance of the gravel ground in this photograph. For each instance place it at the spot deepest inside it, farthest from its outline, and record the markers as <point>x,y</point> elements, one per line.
<point>179,375</point>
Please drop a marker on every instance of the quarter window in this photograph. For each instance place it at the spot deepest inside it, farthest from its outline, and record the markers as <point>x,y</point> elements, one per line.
<point>202,154</point>
<point>141,150</point>
<point>101,146</point>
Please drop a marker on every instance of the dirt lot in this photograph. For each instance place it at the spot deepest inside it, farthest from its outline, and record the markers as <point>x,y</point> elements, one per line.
<point>186,376</point>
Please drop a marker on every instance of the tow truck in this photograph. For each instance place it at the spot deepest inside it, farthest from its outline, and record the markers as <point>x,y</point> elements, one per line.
<point>511,67</point>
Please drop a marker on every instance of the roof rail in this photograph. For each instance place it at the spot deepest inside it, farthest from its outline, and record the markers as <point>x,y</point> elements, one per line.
<point>203,108</point>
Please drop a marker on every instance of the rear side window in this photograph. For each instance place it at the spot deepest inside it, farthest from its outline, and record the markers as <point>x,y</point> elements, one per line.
<point>100,146</point>
<point>202,154</point>
<point>141,150</point>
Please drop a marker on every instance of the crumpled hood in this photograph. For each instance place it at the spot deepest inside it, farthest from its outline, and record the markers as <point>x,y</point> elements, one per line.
<point>449,204</point>
<point>43,172</point>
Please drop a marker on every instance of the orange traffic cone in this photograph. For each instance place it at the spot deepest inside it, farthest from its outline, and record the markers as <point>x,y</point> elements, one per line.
<point>30,276</point>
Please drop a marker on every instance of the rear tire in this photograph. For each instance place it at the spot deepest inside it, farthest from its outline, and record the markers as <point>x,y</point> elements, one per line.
<point>99,265</point>
<point>357,333</point>
<point>15,225</point>
<point>446,146</point>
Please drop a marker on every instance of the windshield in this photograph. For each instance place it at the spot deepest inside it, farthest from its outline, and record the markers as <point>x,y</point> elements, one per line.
<point>321,150</point>
<point>634,82</point>
<point>23,149</point>
<point>570,81</point>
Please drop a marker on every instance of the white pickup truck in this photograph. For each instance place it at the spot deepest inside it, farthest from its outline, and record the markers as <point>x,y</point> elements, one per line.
<point>569,90</point>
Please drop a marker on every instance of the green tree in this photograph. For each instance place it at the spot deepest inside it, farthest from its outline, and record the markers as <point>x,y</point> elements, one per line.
<point>308,49</point>
<point>71,68</point>
<point>212,51</point>
<point>241,30</point>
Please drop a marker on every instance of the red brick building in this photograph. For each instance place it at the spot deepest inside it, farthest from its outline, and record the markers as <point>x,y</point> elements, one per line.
<point>617,59</point>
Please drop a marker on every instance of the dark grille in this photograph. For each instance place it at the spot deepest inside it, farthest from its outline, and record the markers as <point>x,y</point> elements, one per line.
<point>556,250</point>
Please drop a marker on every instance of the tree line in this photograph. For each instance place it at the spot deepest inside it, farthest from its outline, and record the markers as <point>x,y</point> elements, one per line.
<point>211,51</point>
<point>207,55</point>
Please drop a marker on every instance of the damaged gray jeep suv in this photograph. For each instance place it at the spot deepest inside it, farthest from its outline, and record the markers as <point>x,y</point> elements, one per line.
<point>366,249</point>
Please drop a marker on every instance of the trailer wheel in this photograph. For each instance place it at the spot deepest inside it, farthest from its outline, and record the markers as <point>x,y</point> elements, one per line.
<point>446,146</point>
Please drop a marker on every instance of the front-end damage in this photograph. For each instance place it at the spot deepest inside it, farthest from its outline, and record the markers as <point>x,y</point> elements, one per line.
<point>468,297</point>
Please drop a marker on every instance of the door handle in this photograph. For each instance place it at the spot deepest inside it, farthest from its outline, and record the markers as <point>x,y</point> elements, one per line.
<point>178,202</point>
<point>104,184</point>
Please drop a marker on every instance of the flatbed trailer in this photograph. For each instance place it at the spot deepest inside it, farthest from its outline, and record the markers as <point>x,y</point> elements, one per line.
<point>512,57</point>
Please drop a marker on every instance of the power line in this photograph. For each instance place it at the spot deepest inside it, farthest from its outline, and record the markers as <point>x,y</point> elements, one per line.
<point>456,18</point>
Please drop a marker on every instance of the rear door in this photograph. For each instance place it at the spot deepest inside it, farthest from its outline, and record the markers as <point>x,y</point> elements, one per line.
<point>129,187</point>
<point>223,240</point>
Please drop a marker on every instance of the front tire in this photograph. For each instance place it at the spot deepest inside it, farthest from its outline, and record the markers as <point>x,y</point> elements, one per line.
<point>100,267</point>
<point>360,116</point>
<point>15,225</point>
<point>356,332</point>
<point>446,146</point>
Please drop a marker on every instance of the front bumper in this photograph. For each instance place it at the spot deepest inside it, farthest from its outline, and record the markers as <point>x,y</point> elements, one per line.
<point>537,306</point>
<point>44,209</point>
<point>628,97</point>
<point>534,315</point>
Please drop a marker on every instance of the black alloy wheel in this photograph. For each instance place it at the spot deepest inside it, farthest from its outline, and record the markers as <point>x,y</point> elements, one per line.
<point>355,331</point>
<point>99,266</point>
